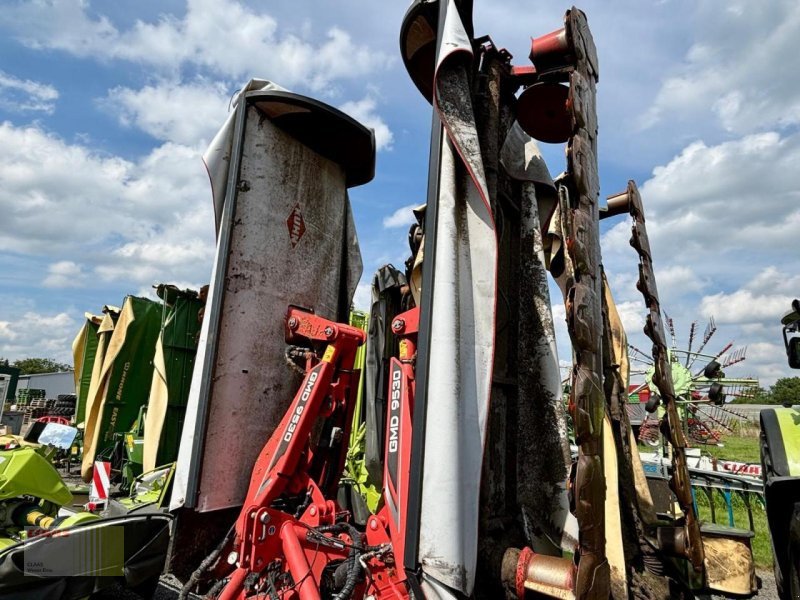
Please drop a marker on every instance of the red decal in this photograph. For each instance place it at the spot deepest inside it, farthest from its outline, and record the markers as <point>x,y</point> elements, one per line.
<point>296,225</point>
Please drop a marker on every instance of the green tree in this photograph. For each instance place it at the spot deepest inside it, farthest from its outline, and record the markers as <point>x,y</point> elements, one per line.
<point>30,366</point>
<point>760,396</point>
<point>786,390</point>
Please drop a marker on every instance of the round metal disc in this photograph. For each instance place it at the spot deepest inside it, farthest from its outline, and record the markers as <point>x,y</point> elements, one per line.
<point>542,112</point>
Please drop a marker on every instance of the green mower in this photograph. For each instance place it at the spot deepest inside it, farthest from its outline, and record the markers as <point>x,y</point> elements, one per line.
<point>49,550</point>
<point>780,458</point>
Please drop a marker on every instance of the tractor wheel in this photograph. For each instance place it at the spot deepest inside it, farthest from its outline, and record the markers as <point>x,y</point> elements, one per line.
<point>649,434</point>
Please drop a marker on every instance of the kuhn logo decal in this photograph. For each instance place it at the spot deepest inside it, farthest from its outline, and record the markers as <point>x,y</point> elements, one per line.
<point>296,225</point>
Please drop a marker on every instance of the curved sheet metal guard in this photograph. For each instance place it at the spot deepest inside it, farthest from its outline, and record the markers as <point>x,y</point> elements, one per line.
<point>283,215</point>
<point>324,129</point>
<point>456,347</point>
<point>143,541</point>
<point>418,40</point>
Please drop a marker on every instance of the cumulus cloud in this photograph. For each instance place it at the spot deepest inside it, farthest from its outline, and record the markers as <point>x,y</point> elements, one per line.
<point>364,111</point>
<point>362,299</point>
<point>63,274</point>
<point>764,299</point>
<point>153,214</point>
<point>223,36</point>
<point>26,95</point>
<point>184,113</point>
<point>726,201</point>
<point>745,306</point>
<point>402,217</point>
<point>722,221</point>
<point>734,67</point>
<point>7,333</point>
<point>38,334</point>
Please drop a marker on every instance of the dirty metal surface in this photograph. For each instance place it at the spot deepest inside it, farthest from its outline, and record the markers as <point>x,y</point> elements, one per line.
<point>729,565</point>
<point>579,190</point>
<point>291,242</point>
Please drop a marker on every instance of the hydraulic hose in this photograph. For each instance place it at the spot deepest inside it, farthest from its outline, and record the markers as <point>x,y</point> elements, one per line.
<point>205,565</point>
<point>31,515</point>
<point>352,561</point>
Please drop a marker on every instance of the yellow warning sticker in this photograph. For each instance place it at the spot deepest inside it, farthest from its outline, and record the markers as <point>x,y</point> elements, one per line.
<point>329,352</point>
<point>404,350</point>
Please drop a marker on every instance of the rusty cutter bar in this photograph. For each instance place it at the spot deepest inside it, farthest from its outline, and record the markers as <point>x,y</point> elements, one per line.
<point>683,540</point>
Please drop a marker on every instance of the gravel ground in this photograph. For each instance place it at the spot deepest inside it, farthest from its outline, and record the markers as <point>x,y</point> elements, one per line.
<point>768,590</point>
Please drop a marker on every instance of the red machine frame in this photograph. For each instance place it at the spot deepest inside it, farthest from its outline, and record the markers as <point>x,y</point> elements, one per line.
<point>291,537</point>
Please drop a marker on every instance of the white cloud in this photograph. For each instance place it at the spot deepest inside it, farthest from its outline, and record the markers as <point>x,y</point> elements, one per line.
<point>737,196</point>
<point>680,277</point>
<point>142,220</point>
<point>744,306</point>
<point>364,111</point>
<point>7,333</point>
<point>157,261</point>
<point>362,299</point>
<point>63,274</point>
<point>223,36</point>
<point>38,334</point>
<point>764,299</point>
<point>632,314</point>
<point>737,67</point>
<point>25,95</point>
<point>402,217</point>
<point>722,221</point>
<point>776,281</point>
<point>187,113</point>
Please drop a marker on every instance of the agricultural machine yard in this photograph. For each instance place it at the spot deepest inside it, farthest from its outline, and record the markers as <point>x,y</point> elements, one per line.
<point>497,406</point>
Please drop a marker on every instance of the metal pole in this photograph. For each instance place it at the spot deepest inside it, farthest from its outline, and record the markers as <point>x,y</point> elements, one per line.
<point>410,560</point>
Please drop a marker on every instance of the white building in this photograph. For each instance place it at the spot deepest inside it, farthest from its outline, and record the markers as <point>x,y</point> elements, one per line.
<point>54,384</point>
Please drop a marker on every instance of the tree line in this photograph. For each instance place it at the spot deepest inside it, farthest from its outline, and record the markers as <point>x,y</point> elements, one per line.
<point>785,390</point>
<point>32,366</point>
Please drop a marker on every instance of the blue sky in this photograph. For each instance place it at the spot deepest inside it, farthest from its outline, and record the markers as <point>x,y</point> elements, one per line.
<point>106,108</point>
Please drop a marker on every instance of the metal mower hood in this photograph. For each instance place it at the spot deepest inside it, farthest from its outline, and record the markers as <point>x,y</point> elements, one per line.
<point>280,169</point>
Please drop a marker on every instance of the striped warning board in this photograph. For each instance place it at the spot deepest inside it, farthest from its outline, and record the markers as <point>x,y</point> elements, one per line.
<point>101,482</point>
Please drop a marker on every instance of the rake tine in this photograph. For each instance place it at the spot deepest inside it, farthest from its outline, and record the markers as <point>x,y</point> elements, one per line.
<point>692,330</point>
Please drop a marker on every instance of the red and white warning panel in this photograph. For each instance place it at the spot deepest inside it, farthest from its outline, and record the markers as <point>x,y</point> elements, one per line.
<point>101,483</point>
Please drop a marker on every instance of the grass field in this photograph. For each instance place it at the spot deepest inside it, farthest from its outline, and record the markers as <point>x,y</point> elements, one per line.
<point>742,449</point>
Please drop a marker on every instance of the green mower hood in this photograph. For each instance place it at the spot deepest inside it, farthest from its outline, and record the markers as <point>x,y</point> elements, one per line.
<point>25,472</point>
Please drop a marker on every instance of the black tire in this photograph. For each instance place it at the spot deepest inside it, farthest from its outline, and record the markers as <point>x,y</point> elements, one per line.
<point>791,582</point>
<point>712,370</point>
<point>716,393</point>
<point>652,403</point>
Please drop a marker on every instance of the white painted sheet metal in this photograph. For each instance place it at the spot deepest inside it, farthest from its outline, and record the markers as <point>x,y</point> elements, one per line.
<point>462,334</point>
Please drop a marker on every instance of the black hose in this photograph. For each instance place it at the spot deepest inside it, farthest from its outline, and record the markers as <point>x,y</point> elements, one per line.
<point>205,565</point>
<point>353,565</point>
